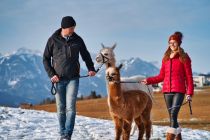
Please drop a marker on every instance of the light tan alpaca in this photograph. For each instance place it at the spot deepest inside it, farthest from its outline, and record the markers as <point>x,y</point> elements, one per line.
<point>126,106</point>
<point>107,56</point>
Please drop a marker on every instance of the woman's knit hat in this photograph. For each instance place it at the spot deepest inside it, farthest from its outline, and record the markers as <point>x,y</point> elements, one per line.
<point>176,36</point>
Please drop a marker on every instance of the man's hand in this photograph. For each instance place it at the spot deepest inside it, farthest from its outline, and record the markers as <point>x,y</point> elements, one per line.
<point>55,79</point>
<point>91,73</point>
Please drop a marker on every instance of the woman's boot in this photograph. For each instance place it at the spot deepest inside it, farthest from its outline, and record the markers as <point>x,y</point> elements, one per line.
<point>171,133</point>
<point>179,136</point>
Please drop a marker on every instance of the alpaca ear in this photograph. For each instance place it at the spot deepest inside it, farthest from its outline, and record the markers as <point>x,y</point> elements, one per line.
<point>102,45</point>
<point>120,66</point>
<point>114,46</point>
<point>108,65</point>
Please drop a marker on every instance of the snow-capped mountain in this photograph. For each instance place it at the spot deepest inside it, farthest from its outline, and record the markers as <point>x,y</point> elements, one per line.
<point>24,80</point>
<point>137,66</point>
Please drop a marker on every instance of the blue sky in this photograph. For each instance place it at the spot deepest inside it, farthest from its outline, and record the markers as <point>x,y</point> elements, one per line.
<point>139,27</point>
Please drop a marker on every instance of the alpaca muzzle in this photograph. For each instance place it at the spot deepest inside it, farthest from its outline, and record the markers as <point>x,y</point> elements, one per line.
<point>109,78</point>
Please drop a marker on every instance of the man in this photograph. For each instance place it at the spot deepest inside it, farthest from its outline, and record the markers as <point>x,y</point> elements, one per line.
<point>61,61</point>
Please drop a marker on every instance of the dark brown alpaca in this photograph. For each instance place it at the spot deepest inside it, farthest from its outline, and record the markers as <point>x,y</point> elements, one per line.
<point>126,106</point>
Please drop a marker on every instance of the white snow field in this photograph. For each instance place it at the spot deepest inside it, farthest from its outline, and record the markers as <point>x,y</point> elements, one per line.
<point>21,124</point>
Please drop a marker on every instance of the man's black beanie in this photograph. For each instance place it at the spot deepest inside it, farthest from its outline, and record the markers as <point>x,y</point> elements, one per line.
<point>67,22</point>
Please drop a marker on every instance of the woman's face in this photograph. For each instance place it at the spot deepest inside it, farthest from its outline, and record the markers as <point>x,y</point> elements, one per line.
<point>173,44</point>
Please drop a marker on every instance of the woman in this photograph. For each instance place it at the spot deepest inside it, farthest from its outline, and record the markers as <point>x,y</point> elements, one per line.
<point>176,74</point>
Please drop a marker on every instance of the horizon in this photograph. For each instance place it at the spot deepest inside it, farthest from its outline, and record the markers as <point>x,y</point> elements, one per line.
<point>38,52</point>
<point>140,28</point>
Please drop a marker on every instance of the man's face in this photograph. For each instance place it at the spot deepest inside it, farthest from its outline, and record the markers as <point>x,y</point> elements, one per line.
<point>68,31</point>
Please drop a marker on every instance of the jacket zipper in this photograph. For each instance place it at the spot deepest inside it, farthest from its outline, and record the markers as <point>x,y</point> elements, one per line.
<point>66,49</point>
<point>69,51</point>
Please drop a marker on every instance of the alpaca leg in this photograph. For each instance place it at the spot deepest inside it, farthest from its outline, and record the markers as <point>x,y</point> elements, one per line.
<point>147,123</point>
<point>148,126</point>
<point>140,125</point>
<point>147,120</point>
<point>126,129</point>
<point>118,127</point>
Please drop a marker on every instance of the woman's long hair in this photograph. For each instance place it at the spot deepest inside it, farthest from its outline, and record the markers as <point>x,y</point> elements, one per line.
<point>181,52</point>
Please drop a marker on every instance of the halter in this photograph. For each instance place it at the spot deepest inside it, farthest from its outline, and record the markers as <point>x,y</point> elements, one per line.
<point>104,58</point>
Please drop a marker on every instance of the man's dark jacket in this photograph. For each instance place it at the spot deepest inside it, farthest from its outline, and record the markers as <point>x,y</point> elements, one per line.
<point>61,57</point>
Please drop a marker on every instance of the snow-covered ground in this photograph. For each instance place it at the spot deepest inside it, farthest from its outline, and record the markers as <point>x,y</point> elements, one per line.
<point>20,124</point>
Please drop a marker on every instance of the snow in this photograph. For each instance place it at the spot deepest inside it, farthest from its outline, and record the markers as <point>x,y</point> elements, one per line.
<point>128,63</point>
<point>27,51</point>
<point>24,124</point>
<point>2,60</point>
<point>23,58</point>
<point>13,82</point>
<point>94,84</point>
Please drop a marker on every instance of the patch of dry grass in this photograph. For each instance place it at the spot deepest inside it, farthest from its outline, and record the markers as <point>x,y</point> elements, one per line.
<point>200,119</point>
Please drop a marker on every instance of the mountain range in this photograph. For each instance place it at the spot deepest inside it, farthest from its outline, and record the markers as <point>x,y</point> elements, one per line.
<point>24,80</point>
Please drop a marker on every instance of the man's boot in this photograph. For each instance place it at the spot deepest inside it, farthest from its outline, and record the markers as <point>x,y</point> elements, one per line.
<point>179,136</point>
<point>171,133</point>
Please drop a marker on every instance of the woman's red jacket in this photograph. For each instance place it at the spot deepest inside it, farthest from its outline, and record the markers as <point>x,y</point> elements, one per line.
<point>176,76</point>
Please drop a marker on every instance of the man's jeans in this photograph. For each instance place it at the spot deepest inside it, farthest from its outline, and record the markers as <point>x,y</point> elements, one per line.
<point>66,97</point>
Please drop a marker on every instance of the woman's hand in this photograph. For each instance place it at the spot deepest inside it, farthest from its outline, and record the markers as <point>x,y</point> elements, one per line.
<point>144,81</point>
<point>189,98</point>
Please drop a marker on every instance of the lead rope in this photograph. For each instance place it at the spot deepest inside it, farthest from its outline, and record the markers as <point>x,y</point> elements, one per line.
<point>53,89</point>
<point>178,105</point>
<point>96,71</point>
<point>150,93</point>
<point>189,102</point>
<point>190,107</point>
<point>53,86</point>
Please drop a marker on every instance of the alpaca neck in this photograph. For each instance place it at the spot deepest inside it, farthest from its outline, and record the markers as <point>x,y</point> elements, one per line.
<point>115,94</point>
<point>111,63</point>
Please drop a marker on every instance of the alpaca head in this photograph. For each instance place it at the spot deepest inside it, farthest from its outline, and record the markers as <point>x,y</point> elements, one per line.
<point>113,73</point>
<point>106,54</point>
